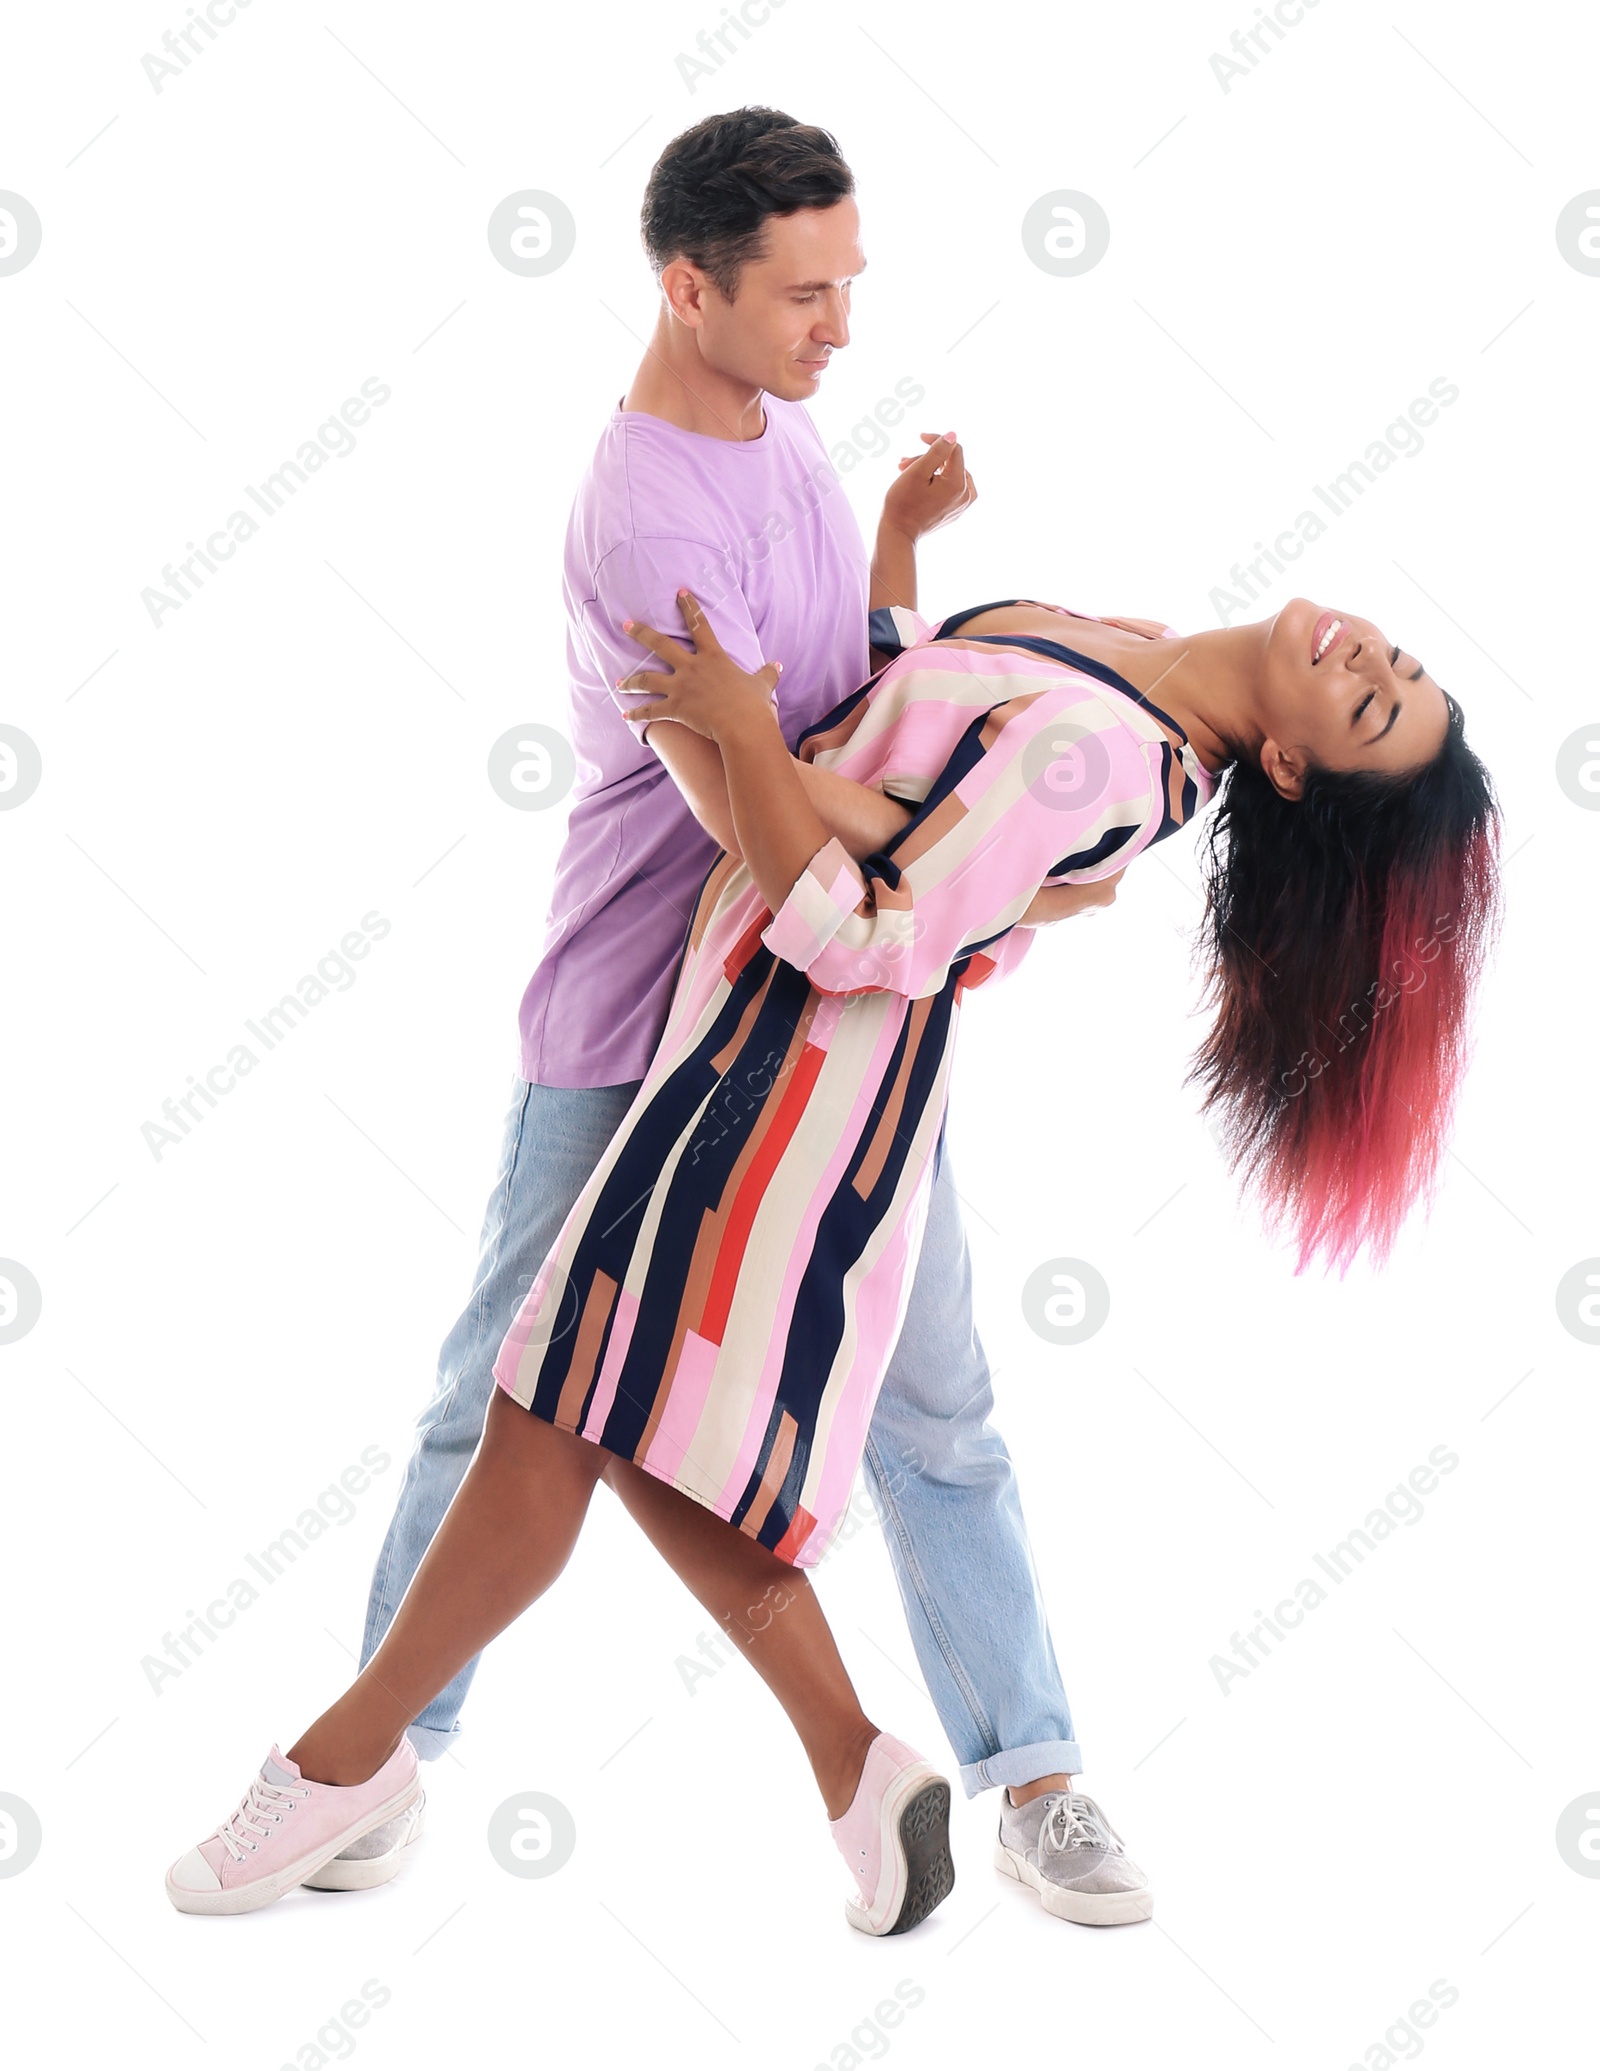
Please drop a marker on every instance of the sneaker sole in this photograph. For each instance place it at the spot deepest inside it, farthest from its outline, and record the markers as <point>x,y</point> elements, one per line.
<point>364,1874</point>
<point>916,1824</point>
<point>1085,1908</point>
<point>247,1898</point>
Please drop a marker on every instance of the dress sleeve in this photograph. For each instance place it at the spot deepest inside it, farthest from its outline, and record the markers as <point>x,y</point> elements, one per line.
<point>1047,786</point>
<point>892,628</point>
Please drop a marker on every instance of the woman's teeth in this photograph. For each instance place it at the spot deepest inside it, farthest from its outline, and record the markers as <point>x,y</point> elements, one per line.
<point>1335,628</point>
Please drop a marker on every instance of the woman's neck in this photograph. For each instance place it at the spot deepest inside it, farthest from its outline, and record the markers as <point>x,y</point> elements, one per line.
<point>1206,681</point>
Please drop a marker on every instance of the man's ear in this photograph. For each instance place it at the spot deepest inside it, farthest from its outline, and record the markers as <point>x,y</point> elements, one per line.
<point>1283,768</point>
<point>684,286</point>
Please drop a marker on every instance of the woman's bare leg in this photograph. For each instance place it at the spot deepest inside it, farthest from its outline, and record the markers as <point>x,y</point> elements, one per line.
<point>506,1536</point>
<point>770,1610</point>
<point>504,1540</point>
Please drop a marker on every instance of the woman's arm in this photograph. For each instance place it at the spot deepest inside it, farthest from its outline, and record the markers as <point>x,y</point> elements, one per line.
<point>750,793</point>
<point>776,827</point>
<point>863,819</point>
<point>931,489</point>
<point>780,828</point>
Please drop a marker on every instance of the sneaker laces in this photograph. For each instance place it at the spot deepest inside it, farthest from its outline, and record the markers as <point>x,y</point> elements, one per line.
<point>1076,1822</point>
<point>259,1805</point>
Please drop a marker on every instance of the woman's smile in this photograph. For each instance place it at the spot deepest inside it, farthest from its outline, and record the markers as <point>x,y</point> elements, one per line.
<point>1323,635</point>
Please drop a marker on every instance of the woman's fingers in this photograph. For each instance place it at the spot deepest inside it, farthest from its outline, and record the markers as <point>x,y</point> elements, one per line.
<point>669,646</point>
<point>947,458</point>
<point>643,681</point>
<point>933,460</point>
<point>700,627</point>
<point>662,644</point>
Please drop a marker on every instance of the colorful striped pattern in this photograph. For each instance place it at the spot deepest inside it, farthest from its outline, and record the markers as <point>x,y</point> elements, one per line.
<point>722,1302</point>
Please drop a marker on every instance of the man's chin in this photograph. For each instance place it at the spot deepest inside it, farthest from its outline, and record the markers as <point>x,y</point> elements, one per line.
<point>798,384</point>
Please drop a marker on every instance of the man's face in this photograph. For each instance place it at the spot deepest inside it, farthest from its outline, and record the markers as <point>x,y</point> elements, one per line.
<point>792,309</point>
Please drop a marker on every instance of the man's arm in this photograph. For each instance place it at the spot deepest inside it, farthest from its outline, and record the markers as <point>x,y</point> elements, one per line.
<point>695,766</point>
<point>932,488</point>
<point>1053,902</point>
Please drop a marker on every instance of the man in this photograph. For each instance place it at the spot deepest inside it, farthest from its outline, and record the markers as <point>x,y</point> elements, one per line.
<point>710,475</point>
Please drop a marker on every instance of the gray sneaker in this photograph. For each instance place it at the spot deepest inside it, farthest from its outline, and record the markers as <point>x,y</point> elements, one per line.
<point>1065,1847</point>
<point>375,1858</point>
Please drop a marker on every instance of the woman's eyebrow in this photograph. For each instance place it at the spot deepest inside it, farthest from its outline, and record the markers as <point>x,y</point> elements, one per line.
<point>1394,714</point>
<point>1417,674</point>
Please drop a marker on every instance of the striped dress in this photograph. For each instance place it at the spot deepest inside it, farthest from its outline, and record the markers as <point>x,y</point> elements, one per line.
<point>722,1302</point>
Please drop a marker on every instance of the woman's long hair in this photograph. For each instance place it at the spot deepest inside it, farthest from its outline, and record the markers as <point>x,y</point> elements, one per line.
<point>1344,934</point>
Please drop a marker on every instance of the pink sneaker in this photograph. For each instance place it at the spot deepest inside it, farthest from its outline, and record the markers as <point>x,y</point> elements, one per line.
<point>285,1828</point>
<point>376,1858</point>
<point>896,1839</point>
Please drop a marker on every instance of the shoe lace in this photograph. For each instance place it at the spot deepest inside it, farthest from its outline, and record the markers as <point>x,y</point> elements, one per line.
<point>1078,1822</point>
<point>262,1803</point>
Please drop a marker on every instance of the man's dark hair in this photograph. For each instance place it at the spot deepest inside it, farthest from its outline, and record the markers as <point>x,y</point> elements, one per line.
<point>714,187</point>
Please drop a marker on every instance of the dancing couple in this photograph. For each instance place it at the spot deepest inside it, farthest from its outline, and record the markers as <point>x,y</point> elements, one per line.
<point>723,1265</point>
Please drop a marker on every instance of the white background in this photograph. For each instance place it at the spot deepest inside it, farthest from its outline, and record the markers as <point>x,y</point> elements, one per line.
<point>224,1329</point>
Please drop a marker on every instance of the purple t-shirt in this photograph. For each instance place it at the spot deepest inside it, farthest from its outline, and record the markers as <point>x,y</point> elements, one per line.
<point>763,534</point>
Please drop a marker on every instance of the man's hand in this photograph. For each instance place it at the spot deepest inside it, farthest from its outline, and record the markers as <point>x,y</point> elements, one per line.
<point>933,488</point>
<point>705,689</point>
<point>1060,901</point>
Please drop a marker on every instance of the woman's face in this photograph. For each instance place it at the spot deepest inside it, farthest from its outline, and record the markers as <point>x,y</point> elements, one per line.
<point>1339,693</point>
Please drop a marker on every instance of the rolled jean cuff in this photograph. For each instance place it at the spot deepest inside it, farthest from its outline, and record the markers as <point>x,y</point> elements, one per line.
<point>1020,1765</point>
<point>431,1742</point>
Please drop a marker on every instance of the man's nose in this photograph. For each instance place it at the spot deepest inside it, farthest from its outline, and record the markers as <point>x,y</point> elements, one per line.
<point>834,328</point>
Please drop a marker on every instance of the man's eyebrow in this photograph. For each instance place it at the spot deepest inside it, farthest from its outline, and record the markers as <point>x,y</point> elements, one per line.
<point>806,287</point>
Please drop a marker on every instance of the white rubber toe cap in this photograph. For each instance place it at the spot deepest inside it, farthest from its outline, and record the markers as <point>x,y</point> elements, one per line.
<point>192,1872</point>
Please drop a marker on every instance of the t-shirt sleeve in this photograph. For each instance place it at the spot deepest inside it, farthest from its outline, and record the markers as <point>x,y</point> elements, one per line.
<point>640,579</point>
<point>1057,792</point>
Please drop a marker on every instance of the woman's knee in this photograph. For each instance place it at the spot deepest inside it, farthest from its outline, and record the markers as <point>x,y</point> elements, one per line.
<point>514,1436</point>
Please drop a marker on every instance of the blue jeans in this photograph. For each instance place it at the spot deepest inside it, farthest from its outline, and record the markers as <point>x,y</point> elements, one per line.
<point>939,1474</point>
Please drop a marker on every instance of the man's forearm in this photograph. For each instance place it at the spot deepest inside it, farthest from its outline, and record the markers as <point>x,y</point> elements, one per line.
<point>695,766</point>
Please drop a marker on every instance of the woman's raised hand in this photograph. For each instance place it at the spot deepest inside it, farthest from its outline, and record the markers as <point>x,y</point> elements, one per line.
<point>703,689</point>
<point>933,487</point>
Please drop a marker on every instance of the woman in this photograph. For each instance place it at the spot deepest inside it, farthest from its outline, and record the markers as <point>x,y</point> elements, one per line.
<point>710,1330</point>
